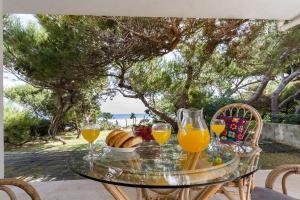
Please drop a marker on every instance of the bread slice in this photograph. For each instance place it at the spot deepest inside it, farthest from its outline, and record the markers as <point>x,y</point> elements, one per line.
<point>112,142</point>
<point>121,140</point>
<point>132,142</point>
<point>111,134</point>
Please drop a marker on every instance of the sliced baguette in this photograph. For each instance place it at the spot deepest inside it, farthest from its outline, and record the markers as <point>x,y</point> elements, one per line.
<point>132,142</point>
<point>121,140</point>
<point>111,135</point>
<point>112,142</point>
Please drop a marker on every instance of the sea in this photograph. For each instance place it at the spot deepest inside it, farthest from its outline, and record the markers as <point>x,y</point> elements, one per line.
<point>124,120</point>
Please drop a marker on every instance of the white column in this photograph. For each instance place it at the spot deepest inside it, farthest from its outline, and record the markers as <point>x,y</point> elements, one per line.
<point>1,94</point>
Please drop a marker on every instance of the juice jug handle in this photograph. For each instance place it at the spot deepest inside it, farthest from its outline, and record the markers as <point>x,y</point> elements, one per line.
<point>179,116</point>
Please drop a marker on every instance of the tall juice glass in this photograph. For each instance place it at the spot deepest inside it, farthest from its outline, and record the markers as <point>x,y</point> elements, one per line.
<point>161,132</point>
<point>193,134</point>
<point>90,132</point>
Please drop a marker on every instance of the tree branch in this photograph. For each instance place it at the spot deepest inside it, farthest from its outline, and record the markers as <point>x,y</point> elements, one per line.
<point>290,98</point>
<point>260,89</point>
<point>280,88</point>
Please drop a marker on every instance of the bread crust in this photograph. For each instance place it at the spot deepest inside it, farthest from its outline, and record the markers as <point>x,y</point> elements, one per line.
<point>121,140</point>
<point>112,142</point>
<point>111,135</point>
<point>133,141</point>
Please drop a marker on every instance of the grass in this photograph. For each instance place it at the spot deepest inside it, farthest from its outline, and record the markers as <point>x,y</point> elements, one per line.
<point>69,137</point>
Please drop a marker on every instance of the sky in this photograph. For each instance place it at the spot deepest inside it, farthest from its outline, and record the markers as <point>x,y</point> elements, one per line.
<point>118,105</point>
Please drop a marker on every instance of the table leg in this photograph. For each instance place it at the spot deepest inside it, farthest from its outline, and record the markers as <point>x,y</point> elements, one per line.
<point>249,186</point>
<point>139,194</point>
<point>226,193</point>
<point>241,189</point>
<point>116,192</point>
<point>208,192</point>
<point>184,194</point>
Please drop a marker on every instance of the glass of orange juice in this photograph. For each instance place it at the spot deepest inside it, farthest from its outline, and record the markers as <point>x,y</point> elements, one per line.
<point>217,126</point>
<point>161,132</point>
<point>90,132</point>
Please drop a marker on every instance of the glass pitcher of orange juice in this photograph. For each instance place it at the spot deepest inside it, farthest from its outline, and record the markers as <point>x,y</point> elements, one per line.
<point>193,134</point>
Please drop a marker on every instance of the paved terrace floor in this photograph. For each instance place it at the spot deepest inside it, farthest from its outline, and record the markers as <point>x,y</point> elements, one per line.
<point>91,190</point>
<point>52,165</point>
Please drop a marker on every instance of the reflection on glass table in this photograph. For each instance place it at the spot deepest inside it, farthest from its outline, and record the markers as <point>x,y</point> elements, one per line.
<point>180,170</point>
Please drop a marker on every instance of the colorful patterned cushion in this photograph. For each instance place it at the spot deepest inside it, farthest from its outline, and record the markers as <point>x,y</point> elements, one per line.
<point>234,129</point>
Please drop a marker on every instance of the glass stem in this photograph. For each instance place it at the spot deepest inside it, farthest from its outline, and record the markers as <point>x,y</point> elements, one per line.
<point>161,153</point>
<point>91,150</point>
<point>217,138</point>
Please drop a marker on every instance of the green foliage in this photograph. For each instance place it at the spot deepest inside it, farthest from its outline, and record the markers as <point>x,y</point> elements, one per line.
<point>106,115</point>
<point>69,54</point>
<point>19,125</point>
<point>283,118</point>
<point>291,119</point>
<point>214,104</point>
<point>106,125</point>
<point>41,102</point>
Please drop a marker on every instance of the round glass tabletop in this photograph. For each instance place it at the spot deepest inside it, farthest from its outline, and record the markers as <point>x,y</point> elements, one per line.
<point>150,167</point>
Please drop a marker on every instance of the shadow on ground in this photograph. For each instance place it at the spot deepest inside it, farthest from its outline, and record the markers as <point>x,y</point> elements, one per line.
<point>52,165</point>
<point>38,166</point>
<point>275,154</point>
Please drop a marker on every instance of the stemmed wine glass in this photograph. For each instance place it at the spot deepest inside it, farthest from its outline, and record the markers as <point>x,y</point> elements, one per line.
<point>217,126</point>
<point>161,132</point>
<point>90,131</point>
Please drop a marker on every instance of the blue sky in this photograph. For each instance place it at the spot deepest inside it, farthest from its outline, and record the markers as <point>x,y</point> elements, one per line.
<point>119,104</point>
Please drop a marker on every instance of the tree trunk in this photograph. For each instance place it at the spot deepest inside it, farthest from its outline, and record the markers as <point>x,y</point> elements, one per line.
<point>297,109</point>
<point>164,116</point>
<point>55,123</point>
<point>290,98</point>
<point>277,91</point>
<point>64,106</point>
<point>183,101</point>
<point>260,89</point>
<point>77,127</point>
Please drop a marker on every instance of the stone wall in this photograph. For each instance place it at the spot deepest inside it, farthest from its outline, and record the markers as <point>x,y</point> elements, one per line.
<point>283,133</point>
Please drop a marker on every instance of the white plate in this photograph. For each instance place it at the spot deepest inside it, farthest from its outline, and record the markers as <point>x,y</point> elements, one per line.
<point>127,150</point>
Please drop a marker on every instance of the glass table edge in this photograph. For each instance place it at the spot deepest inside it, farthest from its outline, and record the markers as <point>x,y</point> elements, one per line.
<point>160,186</point>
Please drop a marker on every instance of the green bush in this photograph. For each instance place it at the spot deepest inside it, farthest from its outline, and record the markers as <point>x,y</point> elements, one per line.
<point>41,129</point>
<point>292,119</point>
<point>106,125</point>
<point>282,118</point>
<point>18,125</point>
<point>214,104</point>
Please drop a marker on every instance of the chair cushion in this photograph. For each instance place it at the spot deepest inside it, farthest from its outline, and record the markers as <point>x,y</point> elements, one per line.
<point>267,194</point>
<point>234,129</point>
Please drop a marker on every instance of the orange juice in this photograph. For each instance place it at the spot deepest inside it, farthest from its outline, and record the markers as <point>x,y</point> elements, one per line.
<point>161,136</point>
<point>90,135</point>
<point>194,139</point>
<point>218,128</point>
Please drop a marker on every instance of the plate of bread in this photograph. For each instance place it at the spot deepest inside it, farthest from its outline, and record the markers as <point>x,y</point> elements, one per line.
<point>122,141</point>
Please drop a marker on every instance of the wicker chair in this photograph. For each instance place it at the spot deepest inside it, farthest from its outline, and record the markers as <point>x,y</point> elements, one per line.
<point>268,193</point>
<point>251,136</point>
<point>18,183</point>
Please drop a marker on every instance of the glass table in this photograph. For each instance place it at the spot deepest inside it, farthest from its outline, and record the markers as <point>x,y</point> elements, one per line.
<point>171,172</point>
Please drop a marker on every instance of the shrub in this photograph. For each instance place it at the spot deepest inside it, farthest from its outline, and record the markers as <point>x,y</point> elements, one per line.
<point>292,119</point>
<point>282,118</point>
<point>18,126</point>
<point>214,104</point>
<point>106,125</point>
